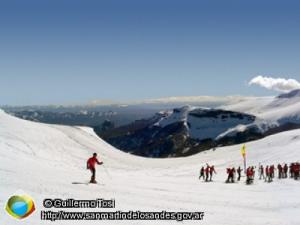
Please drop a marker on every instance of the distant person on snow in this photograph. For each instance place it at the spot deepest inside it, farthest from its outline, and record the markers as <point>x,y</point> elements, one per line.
<point>239,172</point>
<point>285,170</point>
<point>207,169</point>
<point>202,174</point>
<point>261,172</point>
<point>211,171</point>
<point>296,171</point>
<point>267,178</point>
<point>280,171</point>
<point>231,173</point>
<point>91,165</point>
<point>272,171</point>
<point>292,170</point>
<point>250,175</point>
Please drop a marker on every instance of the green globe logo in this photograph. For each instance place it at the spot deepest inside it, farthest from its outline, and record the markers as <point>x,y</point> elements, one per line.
<point>20,207</point>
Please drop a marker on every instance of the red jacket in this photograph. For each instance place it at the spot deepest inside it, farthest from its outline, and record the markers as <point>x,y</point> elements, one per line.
<point>231,171</point>
<point>250,172</point>
<point>207,170</point>
<point>267,171</point>
<point>91,163</point>
<point>297,168</point>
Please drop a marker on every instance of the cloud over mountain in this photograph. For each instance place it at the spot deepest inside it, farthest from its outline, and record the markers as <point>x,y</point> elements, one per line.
<point>277,84</point>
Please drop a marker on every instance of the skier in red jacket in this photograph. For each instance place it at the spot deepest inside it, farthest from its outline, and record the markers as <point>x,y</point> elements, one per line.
<point>91,165</point>
<point>231,173</point>
<point>296,171</point>
<point>211,171</point>
<point>268,175</point>
<point>207,169</point>
<point>250,175</point>
<point>272,171</point>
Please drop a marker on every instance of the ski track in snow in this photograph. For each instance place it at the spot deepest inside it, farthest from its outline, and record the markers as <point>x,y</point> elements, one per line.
<point>44,160</point>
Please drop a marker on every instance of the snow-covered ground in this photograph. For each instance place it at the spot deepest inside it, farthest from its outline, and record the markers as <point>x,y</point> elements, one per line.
<point>44,160</point>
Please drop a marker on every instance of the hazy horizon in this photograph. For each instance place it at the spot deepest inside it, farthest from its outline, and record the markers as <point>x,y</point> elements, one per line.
<point>161,100</point>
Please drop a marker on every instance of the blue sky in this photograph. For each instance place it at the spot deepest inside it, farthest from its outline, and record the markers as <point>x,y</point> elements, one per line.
<point>58,51</point>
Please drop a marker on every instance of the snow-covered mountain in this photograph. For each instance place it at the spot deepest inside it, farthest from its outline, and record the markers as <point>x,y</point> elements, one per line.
<point>280,114</point>
<point>179,132</point>
<point>270,108</point>
<point>189,130</point>
<point>284,108</point>
<point>291,94</point>
<point>44,160</point>
<point>204,123</point>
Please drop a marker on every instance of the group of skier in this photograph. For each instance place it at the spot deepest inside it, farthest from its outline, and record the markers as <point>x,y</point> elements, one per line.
<point>232,173</point>
<point>207,173</point>
<point>284,171</point>
<point>266,173</point>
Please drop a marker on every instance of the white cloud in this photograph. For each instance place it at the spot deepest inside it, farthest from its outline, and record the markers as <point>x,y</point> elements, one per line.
<point>277,84</point>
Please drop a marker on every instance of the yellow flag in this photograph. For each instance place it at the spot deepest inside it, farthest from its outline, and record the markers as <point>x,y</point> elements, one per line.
<point>243,151</point>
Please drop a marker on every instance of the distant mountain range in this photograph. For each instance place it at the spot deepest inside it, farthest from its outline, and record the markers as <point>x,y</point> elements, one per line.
<point>188,130</point>
<point>81,115</point>
<point>95,113</point>
<point>153,128</point>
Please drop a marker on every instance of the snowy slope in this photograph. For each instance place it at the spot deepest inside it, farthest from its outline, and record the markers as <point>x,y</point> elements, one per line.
<point>44,160</point>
